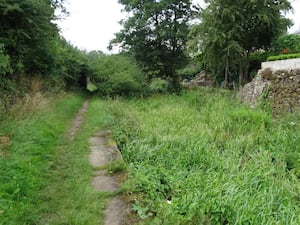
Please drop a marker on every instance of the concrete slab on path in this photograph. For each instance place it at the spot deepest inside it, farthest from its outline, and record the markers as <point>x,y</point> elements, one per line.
<point>101,156</point>
<point>115,213</point>
<point>105,183</point>
<point>97,141</point>
<point>104,151</point>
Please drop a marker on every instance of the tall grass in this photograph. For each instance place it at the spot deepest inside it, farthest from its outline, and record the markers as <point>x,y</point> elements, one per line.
<point>45,179</point>
<point>203,158</point>
<point>24,172</point>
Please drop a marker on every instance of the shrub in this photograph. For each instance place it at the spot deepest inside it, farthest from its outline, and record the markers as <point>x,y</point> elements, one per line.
<point>159,85</point>
<point>115,75</point>
<point>283,57</point>
<point>289,43</point>
<point>256,58</point>
<point>4,62</point>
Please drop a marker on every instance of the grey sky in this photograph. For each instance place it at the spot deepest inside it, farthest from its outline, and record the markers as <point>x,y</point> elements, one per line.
<point>92,23</point>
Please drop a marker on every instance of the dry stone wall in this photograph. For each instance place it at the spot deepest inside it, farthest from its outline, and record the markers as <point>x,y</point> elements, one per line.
<point>253,91</point>
<point>278,87</point>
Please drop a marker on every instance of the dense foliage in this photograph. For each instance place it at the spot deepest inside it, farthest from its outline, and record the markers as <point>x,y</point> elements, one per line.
<point>156,34</point>
<point>115,74</point>
<point>203,158</point>
<point>33,55</point>
<point>289,43</point>
<point>27,33</point>
<point>230,30</point>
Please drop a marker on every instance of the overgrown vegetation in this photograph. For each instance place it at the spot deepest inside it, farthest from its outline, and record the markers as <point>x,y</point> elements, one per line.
<point>155,34</point>
<point>115,75</point>
<point>230,31</point>
<point>198,158</point>
<point>288,43</point>
<point>203,158</point>
<point>45,177</point>
<point>35,132</point>
<point>31,51</point>
<point>156,50</point>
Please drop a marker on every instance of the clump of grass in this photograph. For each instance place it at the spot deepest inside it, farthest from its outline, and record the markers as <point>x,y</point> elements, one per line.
<point>203,158</point>
<point>117,166</point>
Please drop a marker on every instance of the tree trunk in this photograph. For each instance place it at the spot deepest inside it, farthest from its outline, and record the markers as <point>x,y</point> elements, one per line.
<point>241,74</point>
<point>226,78</point>
<point>247,64</point>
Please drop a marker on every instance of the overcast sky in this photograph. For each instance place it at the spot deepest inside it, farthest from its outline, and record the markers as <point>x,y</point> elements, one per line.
<point>92,23</point>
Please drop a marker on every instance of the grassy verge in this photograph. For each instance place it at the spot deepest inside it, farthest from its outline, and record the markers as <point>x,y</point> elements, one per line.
<point>203,158</point>
<point>45,178</point>
<point>70,197</point>
<point>35,135</point>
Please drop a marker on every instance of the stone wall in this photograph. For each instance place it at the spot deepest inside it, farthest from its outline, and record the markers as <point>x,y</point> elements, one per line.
<point>284,91</point>
<point>278,87</point>
<point>253,91</point>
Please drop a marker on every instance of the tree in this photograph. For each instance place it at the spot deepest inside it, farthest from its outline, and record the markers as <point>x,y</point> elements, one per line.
<point>155,34</point>
<point>31,48</point>
<point>231,29</point>
<point>26,31</point>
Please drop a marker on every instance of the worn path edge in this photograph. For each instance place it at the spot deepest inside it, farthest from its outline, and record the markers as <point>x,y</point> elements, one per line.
<point>104,151</point>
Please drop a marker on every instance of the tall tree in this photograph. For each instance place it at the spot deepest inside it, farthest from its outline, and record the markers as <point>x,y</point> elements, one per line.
<point>156,34</point>
<point>231,29</point>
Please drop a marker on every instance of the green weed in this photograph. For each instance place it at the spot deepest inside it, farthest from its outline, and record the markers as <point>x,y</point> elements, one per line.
<point>116,166</point>
<point>203,158</point>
